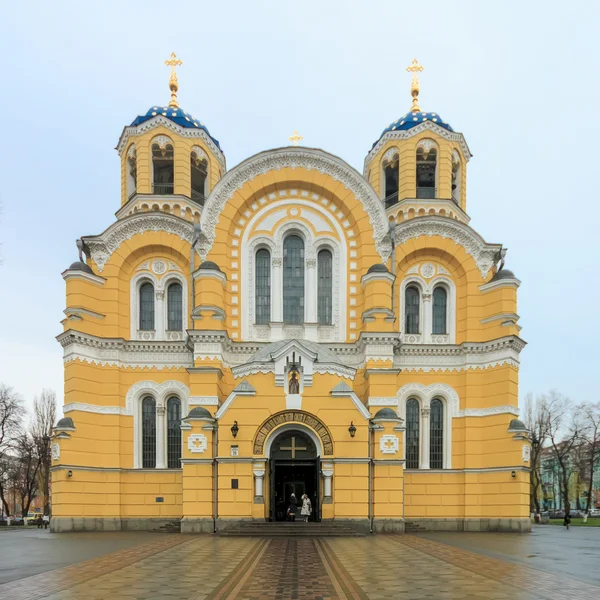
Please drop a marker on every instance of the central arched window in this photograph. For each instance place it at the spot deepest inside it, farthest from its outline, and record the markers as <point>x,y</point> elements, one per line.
<point>263,287</point>
<point>162,168</point>
<point>146,306</point>
<point>324,287</point>
<point>436,435</point>
<point>148,433</point>
<point>293,280</point>
<point>412,300</point>
<point>440,298</point>
<point>412,434</point>
<point>174,307</point>
<point>426,167</point>
<point>173,433</point>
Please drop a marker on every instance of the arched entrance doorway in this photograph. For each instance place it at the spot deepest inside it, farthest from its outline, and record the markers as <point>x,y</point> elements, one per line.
<point>295,469</point>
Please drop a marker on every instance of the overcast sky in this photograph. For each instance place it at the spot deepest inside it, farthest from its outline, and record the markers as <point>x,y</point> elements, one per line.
<point>518,79</point>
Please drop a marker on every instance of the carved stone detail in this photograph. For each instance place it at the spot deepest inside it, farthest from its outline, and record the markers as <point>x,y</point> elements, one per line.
<point>197,443</point>
<point>388,444</point>
<point>428,270</point>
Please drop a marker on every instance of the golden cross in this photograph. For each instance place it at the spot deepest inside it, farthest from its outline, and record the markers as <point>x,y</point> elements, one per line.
<point>295,138</point>
<point>414,88</point>
<point>293,447</point>
<point>173,85</point>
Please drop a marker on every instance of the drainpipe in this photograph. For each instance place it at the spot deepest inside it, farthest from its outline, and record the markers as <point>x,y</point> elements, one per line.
<point>371,470</point>
<point>215,476</point>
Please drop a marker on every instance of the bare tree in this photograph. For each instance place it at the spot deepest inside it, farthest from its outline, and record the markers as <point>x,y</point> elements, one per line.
<point>536,420</point>
<point>26,470</point>
<point>590,414</point>
<point>44,415</point>
<point>12,416</point>
<point>564,434</point>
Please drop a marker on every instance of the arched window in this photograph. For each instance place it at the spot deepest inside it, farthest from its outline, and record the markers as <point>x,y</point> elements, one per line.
<point>456,178</point>
<point>436,435</point>
<point>412,300</point>
<point>426,166</point>
<point>131,167</point>
<point>325,287</point>
<point>199,170</point>
<point>174,307</point>
<point>148,433</point>
<point>173,433</point>
<point>263,287</point>
<point>162,167</point>
<point>440,298</point>
<point>147,307</point>
<point>412,434</point>
<point>390,180</point>
<point>293,280</point>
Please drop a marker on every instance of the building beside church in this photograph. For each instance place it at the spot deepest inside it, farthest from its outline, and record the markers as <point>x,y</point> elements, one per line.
<point>290,325</point>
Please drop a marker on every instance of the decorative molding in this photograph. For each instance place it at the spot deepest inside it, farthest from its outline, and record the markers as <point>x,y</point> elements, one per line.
<point>204,401</point>
<point>427,393</point>
<point>103,246</point>
<point>55,451</point>
<point>506,409</point>
<point>76,274</point>
<point>243,389</point>
<point>382,401</point>
<point>485,255</point>
<point>79,313</point>
<point>427,270</point>
<point>511,318</point>
<point>186,132</point>
<point>197,443</point>
<point>293,158</point>
<point>92,408</point>
<point>511,282</point>
<point>159,391</point>
<point>341,393</point>
<point>388,444</point>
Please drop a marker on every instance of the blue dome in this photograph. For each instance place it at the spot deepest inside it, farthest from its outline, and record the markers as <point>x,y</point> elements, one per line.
<point>412,119</point>
<point>177,115</point>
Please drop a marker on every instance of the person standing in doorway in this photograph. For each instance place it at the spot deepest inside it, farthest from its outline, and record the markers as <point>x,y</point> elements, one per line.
<point>293,506</point>
<point>306,507</point>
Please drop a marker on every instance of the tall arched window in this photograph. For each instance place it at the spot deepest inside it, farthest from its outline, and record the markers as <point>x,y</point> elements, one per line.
<point>148,433</point>
<point>456,178</point>
<point>173,433</point>
<point>436,435</point>
<point>199,171</point>
<point>147,307</point>
<point>162,168</point>
<point>325,287</point>
<point>293,280</point>
<point>390,180</point>
<point>131,167</point>
<point>174,307</point>
<point>263,287</point>
<point>412,433</point>
<point>440,298</point>
<point>411,299</point>
<point>426,166</point>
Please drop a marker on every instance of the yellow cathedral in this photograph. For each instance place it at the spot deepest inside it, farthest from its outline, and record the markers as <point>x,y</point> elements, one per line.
<point>290,326</point>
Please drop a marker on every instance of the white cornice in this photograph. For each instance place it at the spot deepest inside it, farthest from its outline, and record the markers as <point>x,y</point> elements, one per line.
<point>505,317</point>
<point>73,274</point>
<point>102,246</point>
<point>485,255</point>
<point>160,121</point>
<point>451,136</point>
<point>377,276</point>
<point>210,274</point>
<point>79,312</point>
<point>511,282</point>
<point>294,158</point>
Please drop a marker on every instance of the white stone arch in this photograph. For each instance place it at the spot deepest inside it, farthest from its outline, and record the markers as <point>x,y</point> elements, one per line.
<point>274,434</point>
<point>294,158</point>
<point>134,295</point>
<point>165,282</point>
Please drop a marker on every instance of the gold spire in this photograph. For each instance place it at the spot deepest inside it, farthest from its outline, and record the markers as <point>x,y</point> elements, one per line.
<point>414,88</point>
<point>173,85</point>
<point>295,138</point>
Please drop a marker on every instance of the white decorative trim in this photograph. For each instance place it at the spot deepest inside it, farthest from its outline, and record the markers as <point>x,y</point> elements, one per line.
<point>511,282</point>
<point>92,408</point>
<point>485,255</point>
<point>76,274</point>
<point>104,245</point>
<point>210,274</point>
<point>77,312</point>
<point>506,409</point>
<point>55,451</point>
<point>229,401</point>
<point>294,158</point>
<point>451,136</point>
<point>382,401</point>
<point>186,132</point>
<point>377,276</point>
<point>362,409</point>
<point>204,400</point>
<point>388,444</point>
<point>197,443</point>
<point>511,318</point>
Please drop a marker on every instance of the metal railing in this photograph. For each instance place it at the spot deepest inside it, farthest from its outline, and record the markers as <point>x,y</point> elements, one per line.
<point>162,189</point>
<point>198,197</point>
<point>391,200</point>
<point>426,192</point>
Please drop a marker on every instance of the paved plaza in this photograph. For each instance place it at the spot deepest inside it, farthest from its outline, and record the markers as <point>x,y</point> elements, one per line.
<point>548,563</point>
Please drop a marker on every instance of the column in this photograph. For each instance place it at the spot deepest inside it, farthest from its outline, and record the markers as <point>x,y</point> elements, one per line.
<point>327,471</point>
<point>259,474</point>
<point>426,319</point>
<point>310,299</point>
<point>159,314</point>
<point>276,299</point>
<point>424,463</point>
<point>161,436</point>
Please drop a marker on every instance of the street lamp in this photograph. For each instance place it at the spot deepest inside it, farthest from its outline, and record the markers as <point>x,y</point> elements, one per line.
<point>234,429</point>
<point>352,429</point>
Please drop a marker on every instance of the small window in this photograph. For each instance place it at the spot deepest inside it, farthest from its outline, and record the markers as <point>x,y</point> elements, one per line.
<point>147,307</point>
<point>293,280</point>
<point>440,298</point>
<point>456,179</point>
<point>426,168</point>
<point>412,433</point>
<point>174,307</point>
<point>149,433</point>
<point>199,169</point>
<point>325,287</point>
<point>163,169</point>
<point>436,435</point>
<point>173,433</point>
<point>412,300</point>
<point>263,287</point>
<point>131,167</point>
<point>391,175</point>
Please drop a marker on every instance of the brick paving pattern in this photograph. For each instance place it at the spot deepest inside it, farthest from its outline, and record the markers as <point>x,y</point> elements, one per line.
<point>370,568</point>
